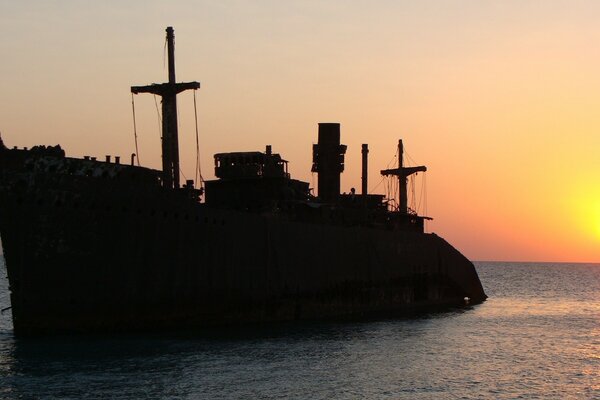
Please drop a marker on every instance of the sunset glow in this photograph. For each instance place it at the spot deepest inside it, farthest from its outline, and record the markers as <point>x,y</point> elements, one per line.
<point>594,213</point>
<point>500,100</point>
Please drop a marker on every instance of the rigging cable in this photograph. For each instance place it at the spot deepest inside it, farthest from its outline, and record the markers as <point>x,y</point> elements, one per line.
<point>413,193</point>
<point>182,174</point>
<point>198,164</point>
<point>137,152</point>
<point>411,180</point>
<point>410,159</point>
<point>425,197</point>
<point>421,193</point>
<point>376,186</point>
<point>159,118</point>
<point>387,189</point>
<point>165,54</point>
<point>388,183</point>
<point>396,187</point>
<point>394,156</point>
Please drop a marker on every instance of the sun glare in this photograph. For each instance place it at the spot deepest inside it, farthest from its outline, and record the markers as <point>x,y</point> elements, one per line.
<point>596,218</point>
<point>586,208</point>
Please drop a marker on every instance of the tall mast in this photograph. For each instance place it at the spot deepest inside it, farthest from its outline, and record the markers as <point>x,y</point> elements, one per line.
<point>168,92</point>
<point>402,173</point>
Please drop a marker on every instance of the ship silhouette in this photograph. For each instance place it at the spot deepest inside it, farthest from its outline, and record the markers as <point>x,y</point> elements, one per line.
<point>102,246</point>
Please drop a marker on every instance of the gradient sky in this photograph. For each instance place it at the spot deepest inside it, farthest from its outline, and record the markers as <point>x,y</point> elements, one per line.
<point>501,100</point>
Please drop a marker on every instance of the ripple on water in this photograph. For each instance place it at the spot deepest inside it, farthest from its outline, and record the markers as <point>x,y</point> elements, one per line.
<point>538,336</point>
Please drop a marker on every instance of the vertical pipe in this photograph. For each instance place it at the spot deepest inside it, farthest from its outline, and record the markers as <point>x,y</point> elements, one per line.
<point>171,53</point>
<point>170,134</point>
<point>365,169</point>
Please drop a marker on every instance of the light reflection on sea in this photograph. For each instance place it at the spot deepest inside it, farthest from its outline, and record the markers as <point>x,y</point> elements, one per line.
<point>537,336</point>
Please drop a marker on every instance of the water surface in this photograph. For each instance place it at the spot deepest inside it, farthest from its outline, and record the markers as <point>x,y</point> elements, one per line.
<point>537,336</point>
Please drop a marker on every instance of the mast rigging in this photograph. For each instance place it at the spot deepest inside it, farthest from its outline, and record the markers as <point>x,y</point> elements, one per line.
<point>402,173</point>
<point>168,92</point>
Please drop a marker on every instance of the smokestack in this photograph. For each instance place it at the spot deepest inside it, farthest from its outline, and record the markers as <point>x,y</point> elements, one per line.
<point>365,169</point>
<point>328,161</point>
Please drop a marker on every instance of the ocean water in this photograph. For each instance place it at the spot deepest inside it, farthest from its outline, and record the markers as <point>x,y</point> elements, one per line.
<point>536,337</point>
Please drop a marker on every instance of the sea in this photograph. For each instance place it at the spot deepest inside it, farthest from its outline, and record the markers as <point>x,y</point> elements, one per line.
<point>536,337</point>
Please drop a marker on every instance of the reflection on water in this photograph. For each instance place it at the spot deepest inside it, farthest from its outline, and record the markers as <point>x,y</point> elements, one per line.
<point>538,336</point>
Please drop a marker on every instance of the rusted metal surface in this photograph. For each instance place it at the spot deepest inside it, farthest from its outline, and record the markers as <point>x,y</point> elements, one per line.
<point>116,251</point>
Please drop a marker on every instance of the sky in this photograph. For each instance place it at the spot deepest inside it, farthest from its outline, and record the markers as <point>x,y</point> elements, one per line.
<point>499,99</point>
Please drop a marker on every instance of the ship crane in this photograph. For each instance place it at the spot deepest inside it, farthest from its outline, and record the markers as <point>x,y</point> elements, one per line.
<point>402,173</point>
<point>168,92</point>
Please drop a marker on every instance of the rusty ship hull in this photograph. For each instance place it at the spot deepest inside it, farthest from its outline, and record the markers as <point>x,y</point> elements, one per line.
<point>108,253</point>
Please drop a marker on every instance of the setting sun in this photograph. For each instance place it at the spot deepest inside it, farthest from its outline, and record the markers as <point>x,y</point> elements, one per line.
<point>595,217</point>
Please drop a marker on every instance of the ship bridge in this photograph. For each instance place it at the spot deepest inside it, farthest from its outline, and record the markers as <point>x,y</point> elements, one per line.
<point>253,181</point>
<point>250,164</point>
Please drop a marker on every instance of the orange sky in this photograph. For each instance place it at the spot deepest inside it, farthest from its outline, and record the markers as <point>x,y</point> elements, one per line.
<point>501,100</point>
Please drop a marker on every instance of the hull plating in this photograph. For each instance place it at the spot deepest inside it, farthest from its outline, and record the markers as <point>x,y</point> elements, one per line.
<point>90,254</point>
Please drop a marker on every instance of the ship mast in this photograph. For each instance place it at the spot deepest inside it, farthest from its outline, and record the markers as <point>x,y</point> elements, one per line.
<point>168,92</point>
<point>402,173</point>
